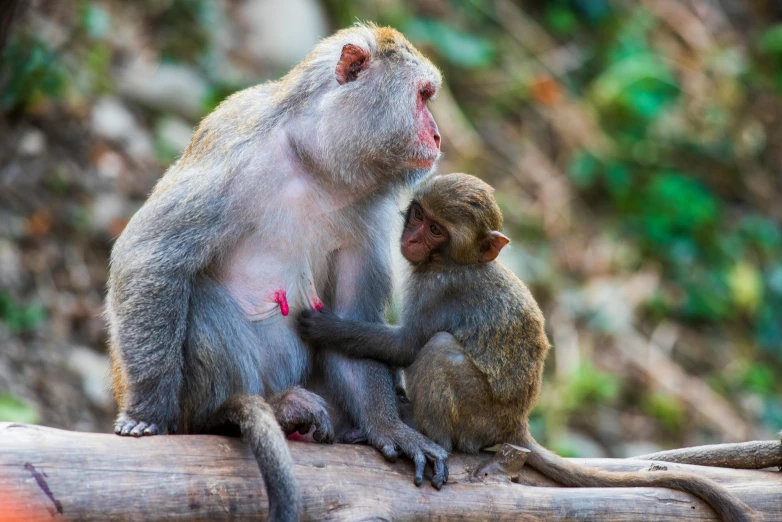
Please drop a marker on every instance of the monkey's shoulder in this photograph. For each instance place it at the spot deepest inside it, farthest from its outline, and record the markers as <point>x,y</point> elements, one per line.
<point>244,118</point>
<point>498,290</point>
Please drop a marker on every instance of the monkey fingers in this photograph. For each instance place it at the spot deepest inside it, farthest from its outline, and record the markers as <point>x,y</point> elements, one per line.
<point>299,410</point>
<point>316,326</point>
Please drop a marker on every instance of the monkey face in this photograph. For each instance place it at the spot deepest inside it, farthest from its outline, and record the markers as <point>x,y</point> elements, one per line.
<point>422,235</point>
<point>373,124</point>
<point>462,208</point>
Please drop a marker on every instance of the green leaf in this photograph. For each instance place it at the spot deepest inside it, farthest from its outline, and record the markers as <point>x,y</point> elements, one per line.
<point>768,330</point>
<point>618,180</point>
<point>666,409</point>
<point>583,169</point>
<point>31,69</point>
<point>13,409</point>
<point>588,384</point>
<point>759,378</point>
<point>762,231</point>
<point>18,318</point>
<point>561,19</point>
<point>746,285</point>
<point>96,20</point>
<point>771,40</point>
<point>680,203</point>
<point>774,279</point>
<point>458,47</point>
<point>629,72</point>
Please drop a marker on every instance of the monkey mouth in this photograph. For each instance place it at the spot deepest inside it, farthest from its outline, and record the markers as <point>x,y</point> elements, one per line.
<point>420,162</point>
<point>423,163</point>
<point>414,253</point>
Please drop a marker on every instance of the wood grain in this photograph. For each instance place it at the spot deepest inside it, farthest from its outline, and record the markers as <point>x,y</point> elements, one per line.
<point>756,454</point>
<point>49,474</point>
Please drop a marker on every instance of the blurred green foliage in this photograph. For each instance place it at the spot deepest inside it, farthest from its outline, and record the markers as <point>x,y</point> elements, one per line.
<point>29,70</point>
<point>588,385</point>
<point>179,28</point>
<point>13,409</point>
<point>32,71</point>
<point>19,318</point>
<point>666,409</point>
<point>460,48</point>
<point>722,264</point>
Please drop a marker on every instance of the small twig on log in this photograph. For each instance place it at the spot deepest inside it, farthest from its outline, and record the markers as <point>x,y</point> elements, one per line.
<point>757,454</point>
<point>504,466</point>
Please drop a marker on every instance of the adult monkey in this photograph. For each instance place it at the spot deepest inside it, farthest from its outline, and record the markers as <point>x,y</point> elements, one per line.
<point>282,202</point>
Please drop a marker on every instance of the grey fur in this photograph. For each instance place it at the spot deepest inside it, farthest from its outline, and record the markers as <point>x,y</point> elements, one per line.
<point>257,424</point>
<point>291,184</point>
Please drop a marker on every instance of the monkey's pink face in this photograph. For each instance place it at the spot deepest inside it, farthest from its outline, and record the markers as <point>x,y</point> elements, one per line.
<point>427,135</point>
<point>422,235</point>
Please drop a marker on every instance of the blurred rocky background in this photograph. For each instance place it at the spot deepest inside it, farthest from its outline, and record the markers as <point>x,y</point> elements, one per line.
<point>635,147</point>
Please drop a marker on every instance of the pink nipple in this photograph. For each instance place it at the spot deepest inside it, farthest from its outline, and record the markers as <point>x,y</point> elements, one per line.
<point>281,299</point>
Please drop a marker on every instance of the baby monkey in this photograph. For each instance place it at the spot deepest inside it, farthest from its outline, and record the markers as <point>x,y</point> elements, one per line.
<point>473,343</point>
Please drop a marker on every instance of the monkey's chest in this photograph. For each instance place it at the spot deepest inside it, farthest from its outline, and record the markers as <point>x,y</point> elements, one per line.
<point>270,279</point>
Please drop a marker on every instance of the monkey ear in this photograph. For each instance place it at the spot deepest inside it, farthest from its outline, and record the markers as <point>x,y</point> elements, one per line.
<point>497,240</point>
<point>354,59</point>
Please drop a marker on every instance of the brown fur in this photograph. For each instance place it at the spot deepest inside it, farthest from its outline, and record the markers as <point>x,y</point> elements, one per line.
<point>473,340</point>
<point>475,386</point>
<point>118,381</point>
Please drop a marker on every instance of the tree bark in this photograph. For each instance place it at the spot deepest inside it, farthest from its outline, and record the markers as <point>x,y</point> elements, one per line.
<point>49,474</point>
<point>757,454</point>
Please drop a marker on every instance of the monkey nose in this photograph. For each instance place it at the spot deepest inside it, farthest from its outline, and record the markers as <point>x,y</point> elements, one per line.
<point>436,139</point>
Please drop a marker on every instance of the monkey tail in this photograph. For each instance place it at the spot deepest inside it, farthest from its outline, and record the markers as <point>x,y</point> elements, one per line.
<point>260,430</point>
<point>728,507</point>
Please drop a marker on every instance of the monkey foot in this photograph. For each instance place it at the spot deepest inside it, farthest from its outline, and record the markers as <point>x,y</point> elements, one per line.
<point>125,426</point>
<point>415,446</point>
<point>299,411</point>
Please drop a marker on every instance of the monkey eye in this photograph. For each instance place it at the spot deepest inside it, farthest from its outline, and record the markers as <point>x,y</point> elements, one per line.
<point>418,214</point>
<point>435,230</point>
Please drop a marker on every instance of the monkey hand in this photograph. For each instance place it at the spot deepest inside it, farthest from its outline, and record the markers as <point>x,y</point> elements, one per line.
<point>318,327</point>
<point>399,436</point>
<point>130,425</point>
<point>300,410</point>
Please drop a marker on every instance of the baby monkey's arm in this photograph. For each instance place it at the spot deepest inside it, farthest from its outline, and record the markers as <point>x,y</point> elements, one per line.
<point>381,342</point>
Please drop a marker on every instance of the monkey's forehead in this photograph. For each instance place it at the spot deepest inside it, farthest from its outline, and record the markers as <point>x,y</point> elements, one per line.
<point>392,43</point>
<point>388,43</point>
<point>460,198</point>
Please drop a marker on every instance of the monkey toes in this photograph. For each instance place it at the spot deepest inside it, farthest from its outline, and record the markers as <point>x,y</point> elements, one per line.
<point>300,410</point>
<point>125,426</point>
<point>417,447</point>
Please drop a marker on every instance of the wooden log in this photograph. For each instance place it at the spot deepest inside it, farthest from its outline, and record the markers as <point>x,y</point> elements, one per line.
<point>756,454</point>
<point>49,474</point>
